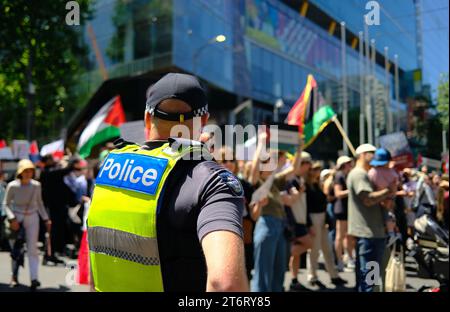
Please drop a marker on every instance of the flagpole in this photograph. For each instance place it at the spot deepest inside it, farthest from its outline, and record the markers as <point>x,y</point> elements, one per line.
<point>344,135</point>
<point>344,83</point>
<point>362,123</point>
<point>390,123</point>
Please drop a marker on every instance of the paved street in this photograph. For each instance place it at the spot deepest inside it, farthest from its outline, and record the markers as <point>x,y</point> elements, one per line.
<point>61,279</point>
<point>53,279</point>
<point>413,282</point>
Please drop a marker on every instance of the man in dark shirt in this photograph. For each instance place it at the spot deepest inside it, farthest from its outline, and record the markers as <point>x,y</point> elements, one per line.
<point>199,224</point>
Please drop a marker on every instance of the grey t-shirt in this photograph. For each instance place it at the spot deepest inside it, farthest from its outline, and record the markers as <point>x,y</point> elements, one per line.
<point>363,221</point>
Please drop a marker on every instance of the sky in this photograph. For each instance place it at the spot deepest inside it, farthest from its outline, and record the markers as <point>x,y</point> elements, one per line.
<point>435,41</point>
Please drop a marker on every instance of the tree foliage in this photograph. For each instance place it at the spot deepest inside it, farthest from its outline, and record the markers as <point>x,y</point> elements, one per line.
<point>37,47</point>
<point>442,101</point>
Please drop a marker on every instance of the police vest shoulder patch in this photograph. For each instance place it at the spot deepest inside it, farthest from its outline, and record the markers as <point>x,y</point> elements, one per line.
<point>232,182</point>
<point>135,172</point>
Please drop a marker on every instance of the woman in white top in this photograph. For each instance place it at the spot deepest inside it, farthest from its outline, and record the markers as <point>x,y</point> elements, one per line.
<point>23,205</point>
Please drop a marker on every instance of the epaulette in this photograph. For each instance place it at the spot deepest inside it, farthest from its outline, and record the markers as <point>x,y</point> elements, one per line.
<point>200,153</point>
<point>121,143</point>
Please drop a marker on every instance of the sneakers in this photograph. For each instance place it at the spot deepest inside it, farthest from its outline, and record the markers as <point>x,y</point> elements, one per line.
<point>312,280</point>
<point>14,283</point>
<point>350,266</point>
<point>53,259</point>
<point>298,287</point>
<point>338,281</point>
<point>34,284</point>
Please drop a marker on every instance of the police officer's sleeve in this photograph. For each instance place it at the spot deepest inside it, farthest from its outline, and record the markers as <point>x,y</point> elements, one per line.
<point>221,201</point>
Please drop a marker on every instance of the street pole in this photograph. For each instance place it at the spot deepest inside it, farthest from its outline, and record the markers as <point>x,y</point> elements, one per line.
<point>370,100</point>
<point>390,123</point>
<point>444,142</point>
<point>374,87</point>
<point>216,39</point>
<point>397,92</point>
<point>368,86</point>
<point>362,125</point>
<point>344,86</point>
<point>278,104</point>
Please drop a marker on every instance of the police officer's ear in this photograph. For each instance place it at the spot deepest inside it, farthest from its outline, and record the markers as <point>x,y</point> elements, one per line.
<point>147,124</point>
<point>204,119</point>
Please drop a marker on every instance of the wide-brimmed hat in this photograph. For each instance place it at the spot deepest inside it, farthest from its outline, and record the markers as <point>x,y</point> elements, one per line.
<point>306,157</point>
<point>342,160</point>
<point>23,165</point>
<point>325,173</point>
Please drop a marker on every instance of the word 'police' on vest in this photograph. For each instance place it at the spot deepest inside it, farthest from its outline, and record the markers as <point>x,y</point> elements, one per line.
<point>132,171</point>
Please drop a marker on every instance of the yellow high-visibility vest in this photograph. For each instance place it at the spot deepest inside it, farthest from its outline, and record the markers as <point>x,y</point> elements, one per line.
<point>123,246</point>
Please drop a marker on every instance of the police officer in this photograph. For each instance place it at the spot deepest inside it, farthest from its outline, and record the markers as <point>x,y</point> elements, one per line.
<point>161,220</point>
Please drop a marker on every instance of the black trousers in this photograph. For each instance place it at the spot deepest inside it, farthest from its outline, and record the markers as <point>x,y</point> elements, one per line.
<point>59,217</point>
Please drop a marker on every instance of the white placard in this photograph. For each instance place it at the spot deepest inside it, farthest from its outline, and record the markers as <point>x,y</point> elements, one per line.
<point>21,149</point>
<point>6,153</point>
<point>133,131</point>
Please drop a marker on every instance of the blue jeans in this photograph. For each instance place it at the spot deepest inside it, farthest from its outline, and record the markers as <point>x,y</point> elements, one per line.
<point>331,229</point>
<point>369,250</point>
<point>269,255</point>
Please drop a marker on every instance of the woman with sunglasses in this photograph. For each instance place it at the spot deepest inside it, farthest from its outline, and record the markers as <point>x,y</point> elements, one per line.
<point>269,239</point>
<point>23,205</point>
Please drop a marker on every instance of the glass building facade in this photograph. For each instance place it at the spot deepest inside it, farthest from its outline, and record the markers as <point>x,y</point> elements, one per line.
<point>269,50</point>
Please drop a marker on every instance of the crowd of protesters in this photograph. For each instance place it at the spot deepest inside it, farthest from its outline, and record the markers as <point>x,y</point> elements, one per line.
<point>349,211</point>
<point>352,211</point>
<point>57,191</point>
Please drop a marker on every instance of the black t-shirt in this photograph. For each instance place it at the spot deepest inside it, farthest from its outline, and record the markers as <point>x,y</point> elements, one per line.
<point>340,206</point>
<point>316,200</point>
<point>248,193</point>
<point>296,182</point>
<point>199,197</point>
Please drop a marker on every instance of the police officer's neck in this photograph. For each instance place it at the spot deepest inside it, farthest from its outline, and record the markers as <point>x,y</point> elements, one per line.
<point>156,136</point>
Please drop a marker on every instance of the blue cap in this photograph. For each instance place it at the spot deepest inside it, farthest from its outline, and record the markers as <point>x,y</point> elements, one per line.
<point>381,157</point>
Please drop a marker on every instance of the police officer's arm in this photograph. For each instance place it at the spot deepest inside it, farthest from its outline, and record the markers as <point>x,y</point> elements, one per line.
<point>224,254</point>
<point>219,228</point>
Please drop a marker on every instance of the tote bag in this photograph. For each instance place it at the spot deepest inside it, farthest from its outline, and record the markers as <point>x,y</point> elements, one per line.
<point>395,272</point>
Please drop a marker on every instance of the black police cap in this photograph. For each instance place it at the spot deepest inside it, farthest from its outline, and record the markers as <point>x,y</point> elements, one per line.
<point>177,86</point>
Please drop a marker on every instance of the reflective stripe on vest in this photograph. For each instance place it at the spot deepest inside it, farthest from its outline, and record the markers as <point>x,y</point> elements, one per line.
<point>123,246</point>
<point>127,246</point>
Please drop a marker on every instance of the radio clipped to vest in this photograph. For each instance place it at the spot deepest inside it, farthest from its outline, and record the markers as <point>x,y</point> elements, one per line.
<point>123,246</point>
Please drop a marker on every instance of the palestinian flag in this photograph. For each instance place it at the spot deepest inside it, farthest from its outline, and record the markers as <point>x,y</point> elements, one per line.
<point>34,152</point>
<point>298,112</point>
<point>317,124</point>
<point>102,127</point>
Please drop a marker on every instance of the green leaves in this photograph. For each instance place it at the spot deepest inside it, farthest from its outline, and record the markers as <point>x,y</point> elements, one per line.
<point>442,100</point>
<point>37,47</point>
